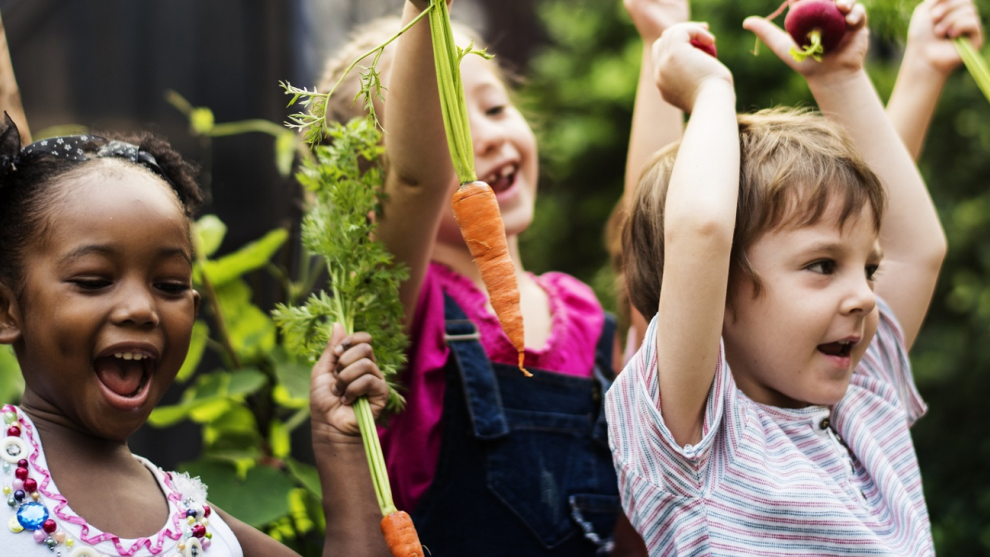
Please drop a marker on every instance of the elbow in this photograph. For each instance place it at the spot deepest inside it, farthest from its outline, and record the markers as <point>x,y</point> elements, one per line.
<point>706,232</point>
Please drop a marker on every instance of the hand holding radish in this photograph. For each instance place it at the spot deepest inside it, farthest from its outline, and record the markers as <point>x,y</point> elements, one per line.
<point>683,69</point>
<point>846,56</point>
<point>934,24</point>
<point>653,17</point>
<point>346,371</point>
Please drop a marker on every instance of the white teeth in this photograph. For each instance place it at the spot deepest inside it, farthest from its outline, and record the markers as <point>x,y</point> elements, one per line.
<point>844,342</point>
<point>129,356</point>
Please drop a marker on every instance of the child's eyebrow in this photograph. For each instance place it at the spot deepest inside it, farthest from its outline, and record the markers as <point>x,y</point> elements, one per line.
<point>106,250</point>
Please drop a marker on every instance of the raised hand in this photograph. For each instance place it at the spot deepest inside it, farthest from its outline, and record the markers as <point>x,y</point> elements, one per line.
<point>653,17</point>
<point>934,24</point>
<point>846,58</point>
<point>681,69</point>
<point>345,371</point>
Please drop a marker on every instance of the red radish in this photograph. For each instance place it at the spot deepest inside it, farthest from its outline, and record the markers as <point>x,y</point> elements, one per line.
<point>709,48</point>
<point>817,26</point>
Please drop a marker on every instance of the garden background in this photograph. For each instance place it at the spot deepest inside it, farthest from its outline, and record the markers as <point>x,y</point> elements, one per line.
<point>237,415</point>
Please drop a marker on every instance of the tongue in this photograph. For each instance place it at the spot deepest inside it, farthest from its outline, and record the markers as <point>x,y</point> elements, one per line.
<point>120,376</point>
<point>832,348</point>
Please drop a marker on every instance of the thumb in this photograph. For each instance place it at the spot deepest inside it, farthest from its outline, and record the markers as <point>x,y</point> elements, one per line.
<point>338,333</point>
<point>776,39</point>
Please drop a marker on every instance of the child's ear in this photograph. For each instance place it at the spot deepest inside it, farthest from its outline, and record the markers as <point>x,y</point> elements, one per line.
<point>10,316</point>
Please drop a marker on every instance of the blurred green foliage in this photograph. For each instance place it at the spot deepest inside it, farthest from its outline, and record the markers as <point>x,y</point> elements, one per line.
<point>582,88</point>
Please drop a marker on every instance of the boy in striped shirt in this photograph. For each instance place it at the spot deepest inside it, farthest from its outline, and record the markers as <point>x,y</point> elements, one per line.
<point>768,411</point>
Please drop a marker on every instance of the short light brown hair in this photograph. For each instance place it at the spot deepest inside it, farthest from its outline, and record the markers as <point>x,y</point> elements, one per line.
<point>794,165</point>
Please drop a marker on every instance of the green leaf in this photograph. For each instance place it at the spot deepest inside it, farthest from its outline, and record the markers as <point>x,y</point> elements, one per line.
<point>278,438</point>
<point>252,256</point>
<point>245,382</point>
<point>197,346</point>
<point>208,234</point>
<point>285,152</point>
<point>259,499</point>
<point>201,120</point>
<point>307,475</point>
<point>11,380</point>
<point>292,375</point>
<point>234,430</point>
<point>251,332</point>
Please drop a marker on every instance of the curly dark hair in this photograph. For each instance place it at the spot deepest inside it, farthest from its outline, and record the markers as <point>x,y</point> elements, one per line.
<point>27,193</point>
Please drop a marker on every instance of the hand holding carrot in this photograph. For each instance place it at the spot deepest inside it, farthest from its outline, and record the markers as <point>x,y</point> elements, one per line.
<point>346,371</point>
<point>681,69</point>
<point>934,24</point>
<point>843,60</point>
<point>653,17</point>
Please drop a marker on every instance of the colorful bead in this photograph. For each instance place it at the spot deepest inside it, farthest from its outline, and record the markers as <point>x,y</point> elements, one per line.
<point>209,535</point>
<point>18,485</point>
<point>6,467</point>
<point>191,513</point>
<point>204,522</point>
<point>35,495</point>
<point>39,536</point>
<point>30,485</point>
<point>7,490</point>
<point>14,525</point>
<point>193,549</point>
<point>22,463</point>
<point>70,542</point>
<point>199,530</point>
<point>13,449</point>
<point>206,544</point>
<point>32,515</point>
<point>14,431</point>
<point>51,543</point>
<point>21,473</point>
<point>49,526</point>
<point>9,418</point>
<point>19,495</point>
<point>191,520</point>
<point>206,510</point>
<point>12,502</point>
<point>59,536</point>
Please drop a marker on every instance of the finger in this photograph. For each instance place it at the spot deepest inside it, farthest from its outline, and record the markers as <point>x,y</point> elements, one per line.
<point>366,385</point>
<point>845,6</point>
<point>961,22</point>
<point>328,359</point>
<point>946,7</point>
<point>856,18</point>
<point>355,353</point>
<point>776,39</point>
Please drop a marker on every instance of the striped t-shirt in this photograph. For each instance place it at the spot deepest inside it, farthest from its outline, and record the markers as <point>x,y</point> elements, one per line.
<point>774,481</point>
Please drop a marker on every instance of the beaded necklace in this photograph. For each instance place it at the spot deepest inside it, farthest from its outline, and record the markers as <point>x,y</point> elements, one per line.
<point>27,492</point>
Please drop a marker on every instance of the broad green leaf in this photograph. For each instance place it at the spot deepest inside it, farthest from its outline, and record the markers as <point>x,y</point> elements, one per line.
<point>235,429</point>
<point>307,475</point>
<point>278,439</point>
<point>252,256</point>
<point>208,233</point>
<point>11,380</point>
<point>197,345</point>
<point>209,410</point>
<point>251,331</point>
<point>165,416</point>
<point>299,510</point>
<point>201,120</point>
<point>285,152</point>
<point>245,382</point>
<point>259,499</point>
<point>292,375</point>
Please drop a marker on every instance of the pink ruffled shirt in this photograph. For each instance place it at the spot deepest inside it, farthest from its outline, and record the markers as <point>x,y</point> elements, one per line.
<point>411,444</point>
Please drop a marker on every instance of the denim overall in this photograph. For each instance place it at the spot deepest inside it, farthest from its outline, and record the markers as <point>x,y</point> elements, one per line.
<point>524,467</point>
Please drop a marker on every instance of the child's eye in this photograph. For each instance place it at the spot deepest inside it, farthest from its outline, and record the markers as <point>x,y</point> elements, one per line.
<point>824,267</point>
<point>173,287</point>
<point>90,283</point>
<point>495,110</point>
<point>871,272</point>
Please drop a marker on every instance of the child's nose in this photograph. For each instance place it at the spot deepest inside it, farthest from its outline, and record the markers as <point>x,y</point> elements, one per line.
<point>136,306</point>
<point>488,136</point>
<point>861,298</point>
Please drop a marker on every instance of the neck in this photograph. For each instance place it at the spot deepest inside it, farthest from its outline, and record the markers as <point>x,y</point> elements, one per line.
<point>459,258</point>
<point>65,442</point>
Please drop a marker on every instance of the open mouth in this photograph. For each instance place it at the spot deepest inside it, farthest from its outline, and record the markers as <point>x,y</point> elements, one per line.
<point>840,348</point>
<point>503,178</point>
<point>124,374</point>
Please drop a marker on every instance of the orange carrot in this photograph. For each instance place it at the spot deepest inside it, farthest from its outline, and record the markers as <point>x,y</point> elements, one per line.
<point>477,214</point>
<point>400,535</point>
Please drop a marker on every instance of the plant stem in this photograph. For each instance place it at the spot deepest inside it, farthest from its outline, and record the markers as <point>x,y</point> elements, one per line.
<point>224,334</point>
<point>452,103</point>
<point>974,63</point>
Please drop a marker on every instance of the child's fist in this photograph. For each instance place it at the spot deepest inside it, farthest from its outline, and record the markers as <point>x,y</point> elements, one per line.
<point>653,17</point>
<point>682,69</point>
<point>846,57</point>
<point>934,24</point>
<point>346,371</point>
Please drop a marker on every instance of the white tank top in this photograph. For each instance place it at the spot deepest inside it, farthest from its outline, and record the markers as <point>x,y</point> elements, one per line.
<point>192,530</point>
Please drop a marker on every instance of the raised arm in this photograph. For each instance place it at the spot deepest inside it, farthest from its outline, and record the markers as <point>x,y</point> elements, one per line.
<point>700,214</point>
<point>655,122</point>
<point>10,95</point>
<point>929,58</point>
<point>420,174</point>
<point>911,236</point>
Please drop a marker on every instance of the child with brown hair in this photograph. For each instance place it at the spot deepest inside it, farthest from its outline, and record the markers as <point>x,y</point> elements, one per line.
<point>768,411</point>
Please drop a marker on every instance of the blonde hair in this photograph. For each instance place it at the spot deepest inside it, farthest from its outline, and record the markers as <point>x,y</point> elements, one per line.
<point>794,165</point>
<point>342,106</point>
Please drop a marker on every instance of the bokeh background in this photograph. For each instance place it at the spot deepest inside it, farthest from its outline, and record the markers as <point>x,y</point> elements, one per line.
<point>108,64</point>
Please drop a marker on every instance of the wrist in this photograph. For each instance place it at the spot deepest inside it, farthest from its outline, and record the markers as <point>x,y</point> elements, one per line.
<point>327,436</point>
<point>916,65</point>
<point>837,83</point>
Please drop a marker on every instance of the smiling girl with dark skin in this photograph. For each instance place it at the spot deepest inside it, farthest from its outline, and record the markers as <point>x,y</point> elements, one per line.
<point>96,299</point>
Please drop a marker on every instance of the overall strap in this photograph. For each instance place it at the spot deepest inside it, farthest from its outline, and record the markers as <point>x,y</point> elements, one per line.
<point>481,393</point>
<point>604,374</point>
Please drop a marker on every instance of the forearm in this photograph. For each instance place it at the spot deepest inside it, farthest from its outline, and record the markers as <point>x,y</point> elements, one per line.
<point>349,502</point>
<point>913,101</point>
<point>655,123</point>
<point>911,235</point>
<point>10,94</point>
